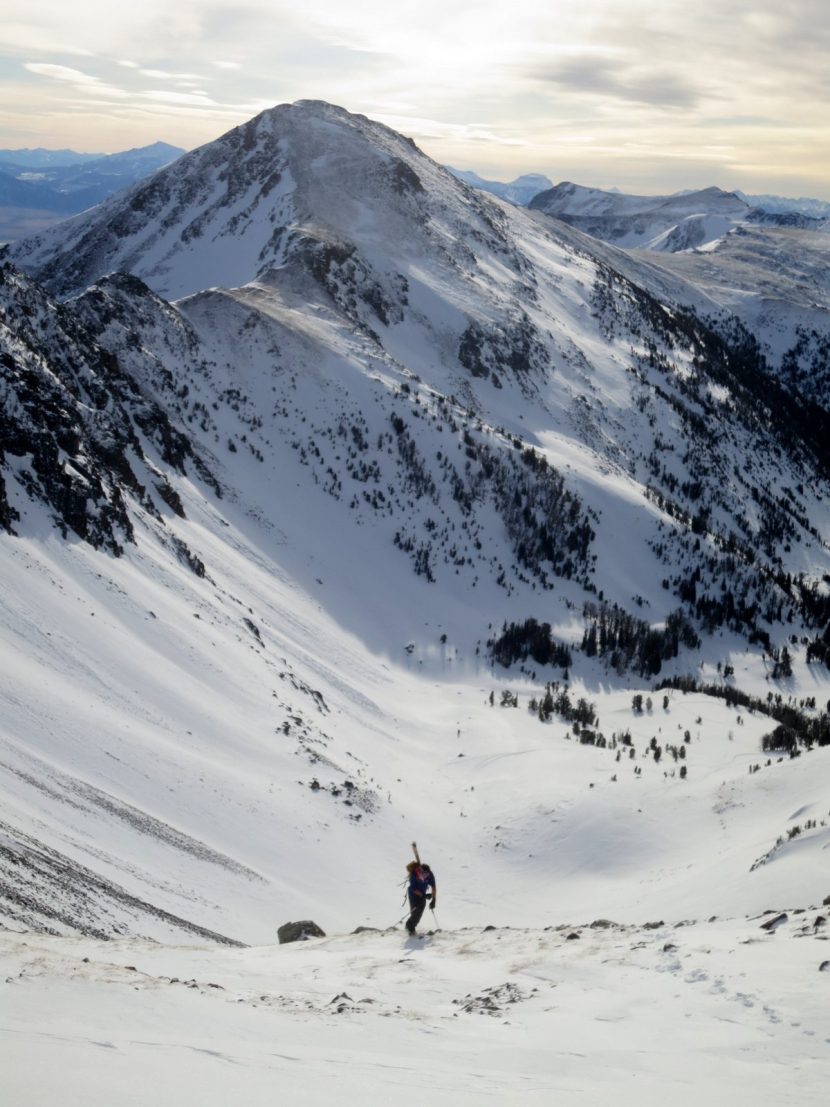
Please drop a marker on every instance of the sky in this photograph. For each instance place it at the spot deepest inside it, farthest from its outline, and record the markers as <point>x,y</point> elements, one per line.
<point>644,96</point>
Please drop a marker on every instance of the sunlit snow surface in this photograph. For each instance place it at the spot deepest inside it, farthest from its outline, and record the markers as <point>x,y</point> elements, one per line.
<point>708,1012</point>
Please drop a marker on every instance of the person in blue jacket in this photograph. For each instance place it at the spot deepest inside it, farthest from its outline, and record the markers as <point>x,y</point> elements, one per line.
<point>421,890</point>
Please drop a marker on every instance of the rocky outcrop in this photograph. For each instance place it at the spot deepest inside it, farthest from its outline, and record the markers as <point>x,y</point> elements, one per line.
<point>78,434</point>
<point>299,932</point>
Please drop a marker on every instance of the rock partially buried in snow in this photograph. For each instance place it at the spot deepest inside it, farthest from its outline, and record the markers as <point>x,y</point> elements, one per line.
<point>774,922</point>
<point>299,932</point>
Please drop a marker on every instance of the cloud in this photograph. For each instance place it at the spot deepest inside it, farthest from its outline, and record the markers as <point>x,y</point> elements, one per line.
<point>60,73</point>
<point>741,121</point>
<point>163,75</point>
<point>82,82</point>
<point>564,88</point>
<point>104,91</point>
<point>599,75</point>
<point>430,130</point>
<point>197,99</point>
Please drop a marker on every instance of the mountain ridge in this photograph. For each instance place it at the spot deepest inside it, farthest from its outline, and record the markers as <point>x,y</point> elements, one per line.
<point>677,222</point>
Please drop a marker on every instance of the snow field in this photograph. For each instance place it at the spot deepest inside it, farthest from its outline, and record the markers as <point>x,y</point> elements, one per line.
<point>633,1015</point>
<point>166,745</point>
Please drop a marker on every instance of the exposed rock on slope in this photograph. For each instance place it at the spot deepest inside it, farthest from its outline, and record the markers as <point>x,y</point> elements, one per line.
<point>78,432</point>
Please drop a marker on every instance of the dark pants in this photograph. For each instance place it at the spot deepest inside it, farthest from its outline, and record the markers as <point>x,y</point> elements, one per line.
<point>416,909</point>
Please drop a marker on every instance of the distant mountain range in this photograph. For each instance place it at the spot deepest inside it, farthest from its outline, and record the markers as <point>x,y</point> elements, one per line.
<point>40,187</point>
<point>667,223</point>
<point>519,191</point>
<point>39,157</point>
<point>568,196</point>
<point>803,205</point>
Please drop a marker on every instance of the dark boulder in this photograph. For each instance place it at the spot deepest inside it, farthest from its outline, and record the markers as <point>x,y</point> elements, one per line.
<point>299,932</point>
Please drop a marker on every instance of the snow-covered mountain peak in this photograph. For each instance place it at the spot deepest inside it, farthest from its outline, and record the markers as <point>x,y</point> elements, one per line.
<point>681,221</point>
<point>239,205</point>
<point>575,199</point>
<point>519,191</point>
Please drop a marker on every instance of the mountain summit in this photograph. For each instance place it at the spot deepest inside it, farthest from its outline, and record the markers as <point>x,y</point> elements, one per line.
<point>229,210</point>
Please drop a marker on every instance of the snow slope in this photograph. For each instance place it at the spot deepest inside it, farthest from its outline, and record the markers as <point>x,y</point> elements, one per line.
<point>726,256</point>
<point>717,1010</point>
<point>775,280</point>
<point>257,541</point>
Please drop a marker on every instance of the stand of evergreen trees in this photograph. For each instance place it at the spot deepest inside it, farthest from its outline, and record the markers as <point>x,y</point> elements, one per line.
<point>518,641</point>
<point>629,643</point>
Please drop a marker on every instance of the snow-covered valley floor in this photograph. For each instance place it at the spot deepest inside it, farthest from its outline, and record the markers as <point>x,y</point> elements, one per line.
<point>718,1012</point>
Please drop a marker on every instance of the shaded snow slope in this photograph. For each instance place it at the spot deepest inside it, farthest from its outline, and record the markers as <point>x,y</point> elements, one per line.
<point>775,281</point>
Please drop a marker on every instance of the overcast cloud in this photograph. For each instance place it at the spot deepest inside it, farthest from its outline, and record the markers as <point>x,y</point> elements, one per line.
<point>649,96</point>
